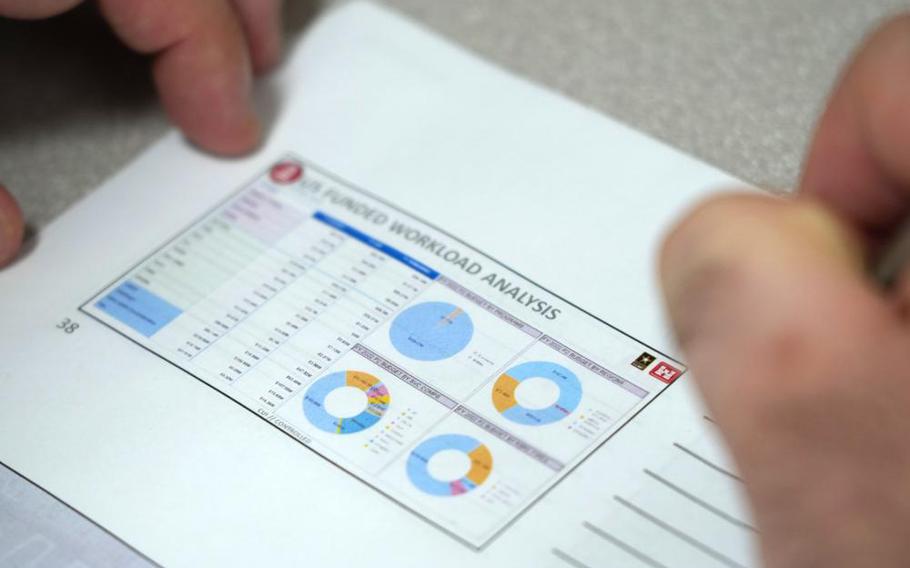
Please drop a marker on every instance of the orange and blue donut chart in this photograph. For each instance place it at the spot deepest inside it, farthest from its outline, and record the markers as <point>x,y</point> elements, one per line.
<point>569,393</point>
<point>419,460</point>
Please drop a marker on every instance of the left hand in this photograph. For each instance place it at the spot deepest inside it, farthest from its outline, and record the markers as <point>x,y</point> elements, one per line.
<point>205,54</point>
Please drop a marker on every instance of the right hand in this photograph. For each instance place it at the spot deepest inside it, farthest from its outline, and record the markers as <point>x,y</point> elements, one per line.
<point>802,360</point>
<point>205,53</point>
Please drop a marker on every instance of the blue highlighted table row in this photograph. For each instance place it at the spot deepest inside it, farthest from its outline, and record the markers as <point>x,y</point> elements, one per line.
<point>138,308</point>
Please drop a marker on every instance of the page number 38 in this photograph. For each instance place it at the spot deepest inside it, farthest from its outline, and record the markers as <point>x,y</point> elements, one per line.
<point>67,325</point>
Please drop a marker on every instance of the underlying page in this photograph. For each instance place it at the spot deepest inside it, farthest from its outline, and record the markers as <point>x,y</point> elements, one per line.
<point>420,325</point>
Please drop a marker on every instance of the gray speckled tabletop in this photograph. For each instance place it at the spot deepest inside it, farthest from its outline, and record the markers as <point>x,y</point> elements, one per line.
<point>737,83</point>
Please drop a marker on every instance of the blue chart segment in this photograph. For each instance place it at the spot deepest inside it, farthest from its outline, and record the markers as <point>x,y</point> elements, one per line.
<point>377,396</point>
<point>431,331</point>
<point>419,460</point>
<point>138,308</point>
<point>504,393</point>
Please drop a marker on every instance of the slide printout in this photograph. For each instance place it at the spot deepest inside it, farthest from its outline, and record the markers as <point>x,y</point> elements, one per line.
<point>416,363</point>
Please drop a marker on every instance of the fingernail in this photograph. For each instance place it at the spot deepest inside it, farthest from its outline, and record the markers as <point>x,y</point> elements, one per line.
<point>829,234</point>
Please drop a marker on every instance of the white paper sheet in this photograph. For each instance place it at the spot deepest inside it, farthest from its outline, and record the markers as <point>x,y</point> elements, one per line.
<point>122,429</point>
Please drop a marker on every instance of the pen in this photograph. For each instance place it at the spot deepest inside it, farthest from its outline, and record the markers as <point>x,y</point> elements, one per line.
<point>895,258</point>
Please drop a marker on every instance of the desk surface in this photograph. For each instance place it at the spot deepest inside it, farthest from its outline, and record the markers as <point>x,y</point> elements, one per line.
<point>737,83</point>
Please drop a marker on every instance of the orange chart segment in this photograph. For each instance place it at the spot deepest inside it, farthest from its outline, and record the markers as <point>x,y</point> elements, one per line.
<point>504,392</point>
<point>481,465</point>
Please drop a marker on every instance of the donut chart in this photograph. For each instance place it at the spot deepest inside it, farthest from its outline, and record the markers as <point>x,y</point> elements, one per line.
<point>418,462</point>
<point>377,402</point>
<point>431,331</point>
<point>569,393</point>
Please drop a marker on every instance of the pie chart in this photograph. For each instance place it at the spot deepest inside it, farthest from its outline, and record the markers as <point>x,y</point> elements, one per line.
<point>377,402</point>
<point>565,380</point>
<point>431,331</point>
<point>419,472</point>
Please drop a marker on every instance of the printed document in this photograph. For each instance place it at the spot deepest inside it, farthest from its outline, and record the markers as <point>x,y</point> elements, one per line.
<point>419,327</point>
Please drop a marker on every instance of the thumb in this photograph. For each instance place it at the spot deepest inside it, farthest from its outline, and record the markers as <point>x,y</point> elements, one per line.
<point>801,363</point>
<point>756,285</point>
<point>12,227</point>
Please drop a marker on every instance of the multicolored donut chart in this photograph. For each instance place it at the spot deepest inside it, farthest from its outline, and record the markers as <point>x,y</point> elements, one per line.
<point>377,394</point>
<point>505,386</point>
<point>419,460</point>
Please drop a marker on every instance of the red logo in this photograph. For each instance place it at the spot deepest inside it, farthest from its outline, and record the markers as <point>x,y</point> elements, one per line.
<point>286,172</point>
<point>665,373</point>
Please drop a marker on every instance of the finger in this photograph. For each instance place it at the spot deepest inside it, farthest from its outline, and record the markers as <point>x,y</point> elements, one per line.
<point>762,289</point>
<point>799,360</point>
<point>12,227</point>
<point>857,162</point>
<point>261,21</point>
<point>34,9</point>
<point>755,279</point>
<point>202,68</point>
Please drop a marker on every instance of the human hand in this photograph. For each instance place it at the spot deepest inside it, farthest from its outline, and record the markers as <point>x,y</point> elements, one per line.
<point>802,360</point>
<point>205,54</point>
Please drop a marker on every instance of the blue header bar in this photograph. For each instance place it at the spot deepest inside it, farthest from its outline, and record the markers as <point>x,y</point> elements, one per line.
<point>376,244</point>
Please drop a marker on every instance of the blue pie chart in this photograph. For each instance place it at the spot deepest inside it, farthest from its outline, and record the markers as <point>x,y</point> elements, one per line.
<point>431,331</point>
